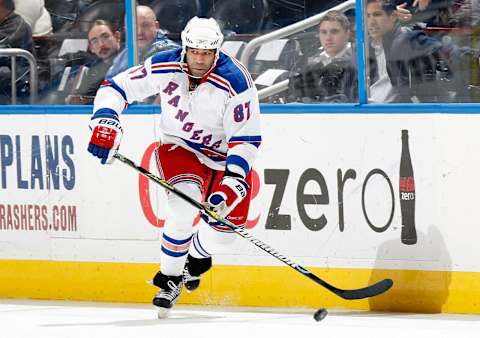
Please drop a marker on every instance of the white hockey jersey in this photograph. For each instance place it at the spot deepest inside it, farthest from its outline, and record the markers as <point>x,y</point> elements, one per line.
<point>219,121</point>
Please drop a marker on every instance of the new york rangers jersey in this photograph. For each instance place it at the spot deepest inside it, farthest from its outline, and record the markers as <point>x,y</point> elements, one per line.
<point>219,120</point>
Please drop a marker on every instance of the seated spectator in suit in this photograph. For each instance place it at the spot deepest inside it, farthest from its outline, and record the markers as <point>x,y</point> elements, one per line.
<point>151,39</point>
<point>104,44</point>
<point>402,63</point>
<point>329,76</point>
<point>35,14</point>
<point>410,66</point>
<point>14,33</point>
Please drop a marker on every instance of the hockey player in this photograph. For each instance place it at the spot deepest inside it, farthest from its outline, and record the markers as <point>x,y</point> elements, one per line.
<point>210,134</point>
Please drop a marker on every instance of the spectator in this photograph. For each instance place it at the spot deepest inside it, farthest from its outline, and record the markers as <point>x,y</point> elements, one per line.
<point>467,14</point>
<point>334,32</point>
<point>35,14</point>
<point>104,43</point>
<point>150,40</point>
<point>402,63</point>
<point>14,33</point>
<point>329,76</point>
<point>426,12</point>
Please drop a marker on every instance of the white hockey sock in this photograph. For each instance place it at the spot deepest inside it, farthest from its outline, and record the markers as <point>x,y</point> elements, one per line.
<point>175,246</point>
<point>177,232</point>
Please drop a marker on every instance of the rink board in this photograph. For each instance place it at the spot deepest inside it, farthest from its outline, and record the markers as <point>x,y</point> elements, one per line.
<point>326,196</point>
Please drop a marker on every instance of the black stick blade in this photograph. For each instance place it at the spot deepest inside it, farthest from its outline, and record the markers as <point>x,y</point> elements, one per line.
<point>369,291</point>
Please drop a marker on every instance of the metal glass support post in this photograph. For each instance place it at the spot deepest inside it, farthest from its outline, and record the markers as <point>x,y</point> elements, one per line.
<point>131,28</point>
<point>362,79</point>
<point>13,62</point>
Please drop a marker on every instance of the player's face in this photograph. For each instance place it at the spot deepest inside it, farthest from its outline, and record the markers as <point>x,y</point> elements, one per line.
<point>379,22</point>
<point>200,60</point>
<point>333,37</point>
<point>103,42</point>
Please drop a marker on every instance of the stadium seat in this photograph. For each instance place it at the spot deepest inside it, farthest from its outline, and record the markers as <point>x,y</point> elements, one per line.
<point>270,77</point>
<point>65,68</point>
<point>110,10</point>
<point>276,54</point>
<point>241,17</point>
<point>73,46</point>
<point>234,48</point>
<point>173,15</point>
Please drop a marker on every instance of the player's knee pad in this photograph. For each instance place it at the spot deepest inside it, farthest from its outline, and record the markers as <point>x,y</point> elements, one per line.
<point>179,212</point>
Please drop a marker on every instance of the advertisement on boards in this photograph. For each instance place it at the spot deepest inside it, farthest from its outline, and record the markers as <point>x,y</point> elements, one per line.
<point>338,190</point>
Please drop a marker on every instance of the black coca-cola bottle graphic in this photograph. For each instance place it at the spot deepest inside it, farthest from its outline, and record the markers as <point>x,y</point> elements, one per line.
<point>407,194</point>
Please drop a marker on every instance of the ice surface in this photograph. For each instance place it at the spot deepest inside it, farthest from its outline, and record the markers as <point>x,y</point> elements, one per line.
<point>51,319</point>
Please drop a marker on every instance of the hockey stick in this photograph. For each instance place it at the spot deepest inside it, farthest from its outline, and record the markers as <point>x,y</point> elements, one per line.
<point>369,291</point>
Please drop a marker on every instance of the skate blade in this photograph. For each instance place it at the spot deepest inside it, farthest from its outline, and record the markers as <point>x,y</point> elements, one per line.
<point>163,313</point>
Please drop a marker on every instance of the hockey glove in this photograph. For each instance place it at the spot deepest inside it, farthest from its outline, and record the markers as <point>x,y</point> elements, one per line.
<point>230,193</point>
<point>105,139</point>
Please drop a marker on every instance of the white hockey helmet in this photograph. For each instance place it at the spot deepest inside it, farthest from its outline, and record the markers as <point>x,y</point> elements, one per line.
<point>202,33</point>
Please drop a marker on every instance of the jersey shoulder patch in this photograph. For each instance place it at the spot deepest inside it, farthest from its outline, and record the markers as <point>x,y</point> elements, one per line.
<point>230,75</point>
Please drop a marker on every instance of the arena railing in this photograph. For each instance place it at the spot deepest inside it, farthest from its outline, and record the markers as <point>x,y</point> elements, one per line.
<point>13,53</point>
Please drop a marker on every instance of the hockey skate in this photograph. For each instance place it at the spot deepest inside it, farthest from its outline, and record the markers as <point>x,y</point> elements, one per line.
<point>167,297</point>
<point>194,267</point>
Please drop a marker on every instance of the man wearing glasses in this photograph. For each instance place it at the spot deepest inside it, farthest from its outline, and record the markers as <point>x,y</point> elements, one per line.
<point>104,44</point>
